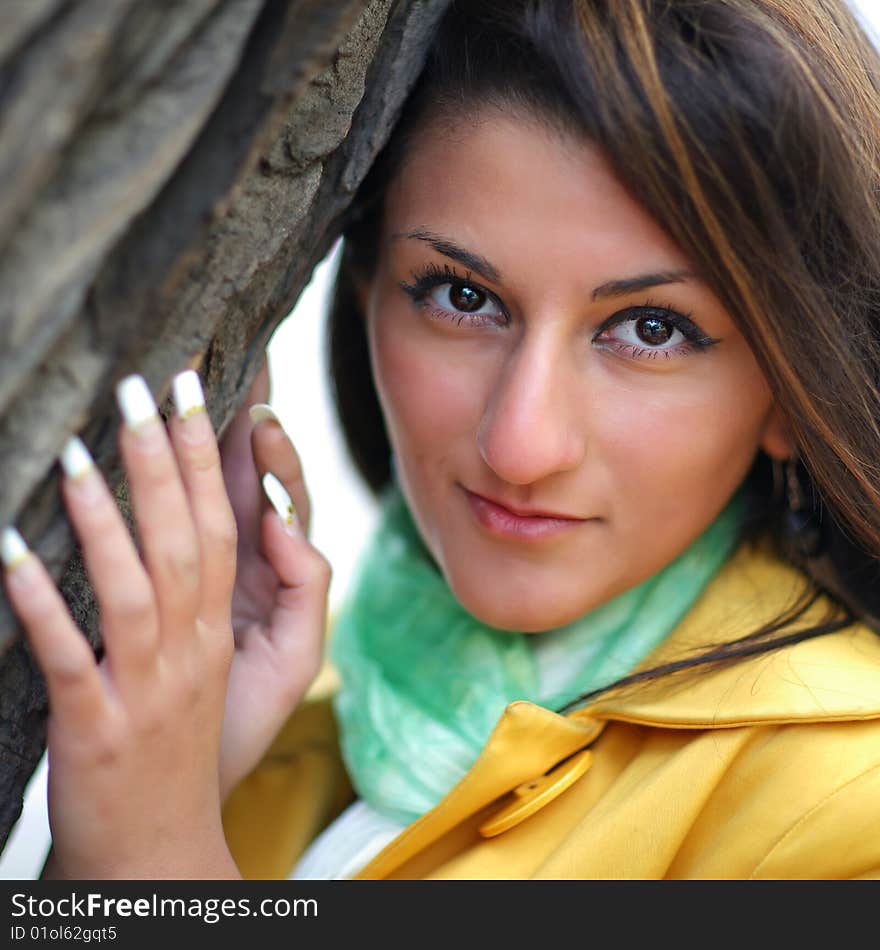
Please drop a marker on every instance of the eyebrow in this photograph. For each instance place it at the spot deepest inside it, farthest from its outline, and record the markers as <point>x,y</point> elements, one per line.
<point>449,249</point>
<point>479,265</point>
<point>626,285</point>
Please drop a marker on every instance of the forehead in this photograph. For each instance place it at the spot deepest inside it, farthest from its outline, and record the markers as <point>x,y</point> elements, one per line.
<point>512,182</point>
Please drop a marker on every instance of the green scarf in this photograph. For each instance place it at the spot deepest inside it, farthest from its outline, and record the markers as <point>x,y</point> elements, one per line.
<point>424,682</point>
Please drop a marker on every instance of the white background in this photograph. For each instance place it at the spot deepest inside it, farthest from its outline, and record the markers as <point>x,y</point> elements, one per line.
<point>342,510</point>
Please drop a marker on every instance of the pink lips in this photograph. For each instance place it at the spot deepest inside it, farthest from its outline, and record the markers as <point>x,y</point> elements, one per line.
<point>502,521</point>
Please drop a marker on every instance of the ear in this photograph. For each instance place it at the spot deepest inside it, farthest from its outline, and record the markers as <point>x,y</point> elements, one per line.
<point>777,439</point>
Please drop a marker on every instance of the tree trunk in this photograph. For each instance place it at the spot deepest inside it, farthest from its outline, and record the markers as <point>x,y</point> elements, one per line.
<point>170,174</point>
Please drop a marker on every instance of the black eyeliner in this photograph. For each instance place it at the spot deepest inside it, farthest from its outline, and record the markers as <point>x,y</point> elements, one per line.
<point>692,333</point>
<point>433,275</point>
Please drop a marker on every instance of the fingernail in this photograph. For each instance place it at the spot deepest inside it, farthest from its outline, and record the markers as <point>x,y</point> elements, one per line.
<point>263,412</point>
<point>281,501</point>
<point>13,549</point>
<point>75,458</point>
<point>136,402</point>
<point>189,400</point>
<point>78,466</point>
<point>188,395</point>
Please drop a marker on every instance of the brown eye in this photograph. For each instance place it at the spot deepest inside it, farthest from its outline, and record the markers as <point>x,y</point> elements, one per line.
<point>466,298</point>
<point>448,297</point>
<point>653,330</point>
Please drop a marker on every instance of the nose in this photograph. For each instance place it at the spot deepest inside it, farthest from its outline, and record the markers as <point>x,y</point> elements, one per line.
<point>533,425</point>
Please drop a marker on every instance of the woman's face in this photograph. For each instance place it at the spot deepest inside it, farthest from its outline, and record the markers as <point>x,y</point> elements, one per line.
<point>568,406</point>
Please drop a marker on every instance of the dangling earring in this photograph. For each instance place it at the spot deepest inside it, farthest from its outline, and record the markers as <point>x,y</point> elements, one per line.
<point>801,524</point>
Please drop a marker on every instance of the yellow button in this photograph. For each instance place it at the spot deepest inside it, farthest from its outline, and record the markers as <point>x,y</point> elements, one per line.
<point>534,795</point>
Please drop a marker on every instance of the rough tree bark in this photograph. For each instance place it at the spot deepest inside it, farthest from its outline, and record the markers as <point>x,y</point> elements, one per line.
<point>171,171</point>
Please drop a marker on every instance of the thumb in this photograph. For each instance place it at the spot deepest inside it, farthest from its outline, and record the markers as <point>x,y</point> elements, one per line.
<point>299,614</point>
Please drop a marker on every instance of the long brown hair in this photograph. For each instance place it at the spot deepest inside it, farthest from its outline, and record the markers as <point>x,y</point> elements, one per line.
<point>749,130</point>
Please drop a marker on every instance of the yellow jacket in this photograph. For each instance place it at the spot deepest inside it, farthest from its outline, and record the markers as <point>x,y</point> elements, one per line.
<point>768,768</point>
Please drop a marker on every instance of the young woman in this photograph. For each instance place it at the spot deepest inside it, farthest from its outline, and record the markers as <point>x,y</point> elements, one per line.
<point>604,346</point>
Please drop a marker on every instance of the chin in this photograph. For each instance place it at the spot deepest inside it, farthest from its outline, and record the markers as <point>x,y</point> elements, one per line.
<point>519,612</point>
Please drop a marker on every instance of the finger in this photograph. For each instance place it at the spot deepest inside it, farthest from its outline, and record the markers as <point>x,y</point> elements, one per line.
<point>274,452</point>
<point>61,651</point>
<point>129,618</point>
<point>198,456</point>
<point>239,472</point>
<point>259,391</point>
<point>297,622</point>
<point>162,511</point>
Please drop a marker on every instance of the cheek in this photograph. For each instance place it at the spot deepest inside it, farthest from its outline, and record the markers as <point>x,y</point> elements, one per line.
<point>430,399</point>
<point>686,452</point>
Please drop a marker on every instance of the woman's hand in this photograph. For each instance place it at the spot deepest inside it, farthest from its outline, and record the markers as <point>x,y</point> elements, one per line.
<point>134,740</point>
<point>280,599</point>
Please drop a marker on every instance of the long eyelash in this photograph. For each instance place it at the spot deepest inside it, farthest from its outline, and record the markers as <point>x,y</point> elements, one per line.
<point>654,305</point>
<point>426,278</point>
<point>429,276</point>
<point>681,321</point>
<point>434,275</point>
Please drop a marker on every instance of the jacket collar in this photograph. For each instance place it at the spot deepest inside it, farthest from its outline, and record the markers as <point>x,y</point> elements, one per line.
<point>829,677</point>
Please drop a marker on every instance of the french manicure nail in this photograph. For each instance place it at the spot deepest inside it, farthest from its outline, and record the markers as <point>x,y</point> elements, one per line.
<point>13,549</point>
<point>136,402</point>
<point>188,395</point>
<point>263,412</point>
<point>75,458</point>
<point>281,501</point>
